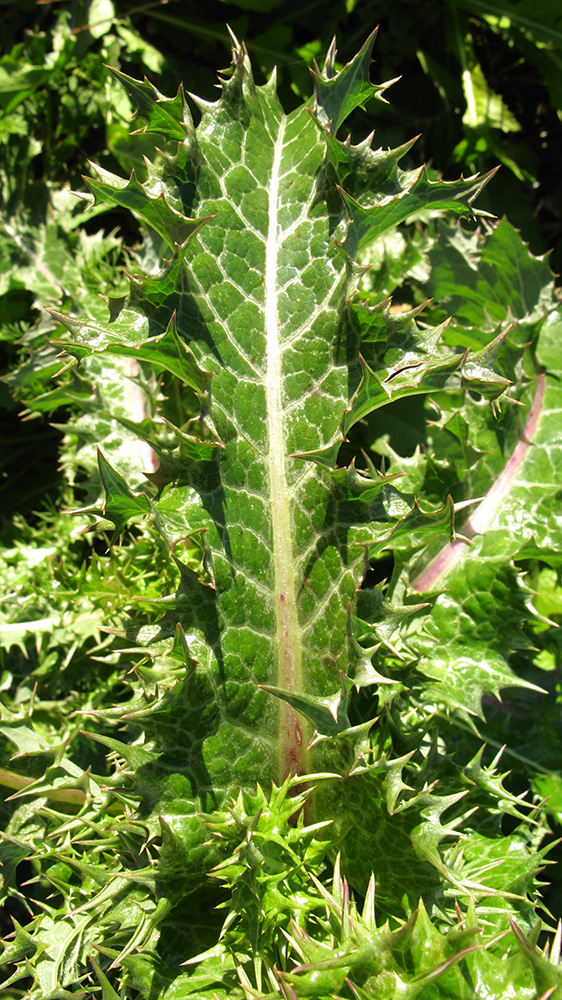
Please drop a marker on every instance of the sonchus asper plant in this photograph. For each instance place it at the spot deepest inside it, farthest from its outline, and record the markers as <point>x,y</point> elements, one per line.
<point>284,730</point>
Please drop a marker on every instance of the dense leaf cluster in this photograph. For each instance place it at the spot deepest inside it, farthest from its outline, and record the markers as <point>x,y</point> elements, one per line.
<point>333,547</point>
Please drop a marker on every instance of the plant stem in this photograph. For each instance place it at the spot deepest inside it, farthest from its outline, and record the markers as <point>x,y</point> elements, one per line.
<point>483,517</point>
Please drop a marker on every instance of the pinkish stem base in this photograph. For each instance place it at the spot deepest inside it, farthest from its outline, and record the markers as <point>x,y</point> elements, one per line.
<point>482,518</point>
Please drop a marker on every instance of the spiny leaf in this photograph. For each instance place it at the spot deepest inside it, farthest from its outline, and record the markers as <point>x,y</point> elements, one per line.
<point>482,281</point>
<point>156,212</point>
<point>337,94</point>
<point>168,117</point>
<point>120,505</point>
<point>418,197</point>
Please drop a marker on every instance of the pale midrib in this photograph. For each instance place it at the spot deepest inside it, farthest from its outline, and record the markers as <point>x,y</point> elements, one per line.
<point>292,744</point>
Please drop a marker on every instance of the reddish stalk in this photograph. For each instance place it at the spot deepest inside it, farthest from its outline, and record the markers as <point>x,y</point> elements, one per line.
<point>483,517</point>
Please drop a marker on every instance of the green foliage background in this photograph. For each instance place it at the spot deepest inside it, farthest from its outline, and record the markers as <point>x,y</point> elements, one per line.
<point>480,82</point>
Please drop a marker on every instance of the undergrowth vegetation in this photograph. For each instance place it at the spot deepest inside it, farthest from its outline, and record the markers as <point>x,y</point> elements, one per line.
<point>280,708</point>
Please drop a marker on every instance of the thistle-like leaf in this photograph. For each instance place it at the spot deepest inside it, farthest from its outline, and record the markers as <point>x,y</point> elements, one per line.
<point>261,295</point>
